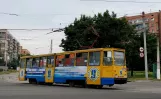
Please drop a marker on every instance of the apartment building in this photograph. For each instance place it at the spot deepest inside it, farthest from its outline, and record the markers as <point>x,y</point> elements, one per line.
<point>25,52</point>
<point>9,46</point>
<point>151,22</point>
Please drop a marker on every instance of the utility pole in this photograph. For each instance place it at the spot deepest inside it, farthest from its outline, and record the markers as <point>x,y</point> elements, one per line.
<point>6,59</point>
<point>0,47</point>
<point>158,45</point>
<point>145,48</point>
<point>51,46</point>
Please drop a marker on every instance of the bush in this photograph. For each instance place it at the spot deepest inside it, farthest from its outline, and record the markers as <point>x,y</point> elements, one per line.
<point>2,63</point>
<point>1,69</point>
<point>13,64</point>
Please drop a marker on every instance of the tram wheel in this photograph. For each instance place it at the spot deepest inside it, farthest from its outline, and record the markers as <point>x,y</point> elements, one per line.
<point>84,85</point>
<point>41,83</point>
<point>111,85</point>
<point>99,86</point>
<point>71,84</point>
<point>49,84</point>
<point>35,81</point>
<point>30,81</point>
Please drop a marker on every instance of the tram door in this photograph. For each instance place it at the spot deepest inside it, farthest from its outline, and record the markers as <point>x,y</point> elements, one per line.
<point>94,68</point>
<point>22,70</point>
<point>49,76</point>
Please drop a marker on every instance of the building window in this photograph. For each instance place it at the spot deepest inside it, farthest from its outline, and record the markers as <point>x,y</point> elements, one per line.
<point>2,34</point>
<point>152,19</point>
<point>2,45</point>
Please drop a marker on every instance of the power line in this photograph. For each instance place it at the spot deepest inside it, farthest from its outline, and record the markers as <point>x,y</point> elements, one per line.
<point>52,31</point>
<point>31,29</point>
<point>62,14</point>
<point>12,14</point>
<point>122,1</point>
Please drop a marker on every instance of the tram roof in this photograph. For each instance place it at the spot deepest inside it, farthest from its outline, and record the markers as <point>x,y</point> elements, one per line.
<point>75,51</point>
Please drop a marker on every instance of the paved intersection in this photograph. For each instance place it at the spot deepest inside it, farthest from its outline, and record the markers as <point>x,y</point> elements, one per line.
<point>11,88</point>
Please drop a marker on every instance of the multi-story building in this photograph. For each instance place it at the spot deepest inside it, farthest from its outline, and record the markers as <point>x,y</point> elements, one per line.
<point>25,52</point>
<point>151,22</point>
<point>20,49</point>
<point>9,46</point>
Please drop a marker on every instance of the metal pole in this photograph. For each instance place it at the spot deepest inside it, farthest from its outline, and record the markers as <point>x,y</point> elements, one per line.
<point>158,59</point>
<point>158,44</point>
<point>6,53</point>
<point>145,48</point>
<point>51,46</point>
<point>6,49</point>
<point>0,48</point>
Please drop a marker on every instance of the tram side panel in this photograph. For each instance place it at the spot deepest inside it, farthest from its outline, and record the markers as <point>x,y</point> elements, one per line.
<point>67,74</point>
<point>36,74</point>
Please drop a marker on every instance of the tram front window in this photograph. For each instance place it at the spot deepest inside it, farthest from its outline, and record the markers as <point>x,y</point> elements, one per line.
<point>119,58</point>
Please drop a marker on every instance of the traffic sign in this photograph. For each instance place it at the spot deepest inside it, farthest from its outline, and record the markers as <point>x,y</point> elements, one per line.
<point>141,49</point>
<point>141,54</point>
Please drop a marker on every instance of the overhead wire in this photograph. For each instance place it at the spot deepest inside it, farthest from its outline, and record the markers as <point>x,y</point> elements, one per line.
<point>52,31</point>
<point>56,14</point>
<point>25,29</point>
<point>122,1</point>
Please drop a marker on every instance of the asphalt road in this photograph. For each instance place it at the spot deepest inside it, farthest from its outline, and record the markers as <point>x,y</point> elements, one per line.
<point>139,90</point>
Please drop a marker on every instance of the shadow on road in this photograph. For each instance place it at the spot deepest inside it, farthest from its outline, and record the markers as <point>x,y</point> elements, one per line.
<point>66,86</point>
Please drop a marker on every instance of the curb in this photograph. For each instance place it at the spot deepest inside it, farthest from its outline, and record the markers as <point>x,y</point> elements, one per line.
<point>144,81</point>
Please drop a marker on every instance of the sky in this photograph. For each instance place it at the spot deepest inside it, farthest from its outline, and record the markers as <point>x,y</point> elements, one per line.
<point>47,14</point>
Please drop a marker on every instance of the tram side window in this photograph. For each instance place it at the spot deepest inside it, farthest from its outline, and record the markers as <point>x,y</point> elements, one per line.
<point>22,63</point>
<point>81,59</point>
<point>37,62</point>
<point>59,60</point>
<point>94,58</point>
<point>69,60</point>
<point>34,62</point>
<point>43,61</point>
<point>50,60</point>
<point>107,58</point>
<point>29,62</point>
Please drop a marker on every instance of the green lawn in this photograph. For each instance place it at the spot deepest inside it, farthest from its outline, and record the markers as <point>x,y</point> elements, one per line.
<point>140,75</point>
<point>8,72</point>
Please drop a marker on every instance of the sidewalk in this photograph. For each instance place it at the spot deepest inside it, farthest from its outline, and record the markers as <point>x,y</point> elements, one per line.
<point>12,77</point>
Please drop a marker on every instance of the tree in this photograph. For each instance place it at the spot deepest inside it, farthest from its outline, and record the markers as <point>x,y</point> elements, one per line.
<point>14,63</point>
<point>2,63</point>
<point>113,31</point>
